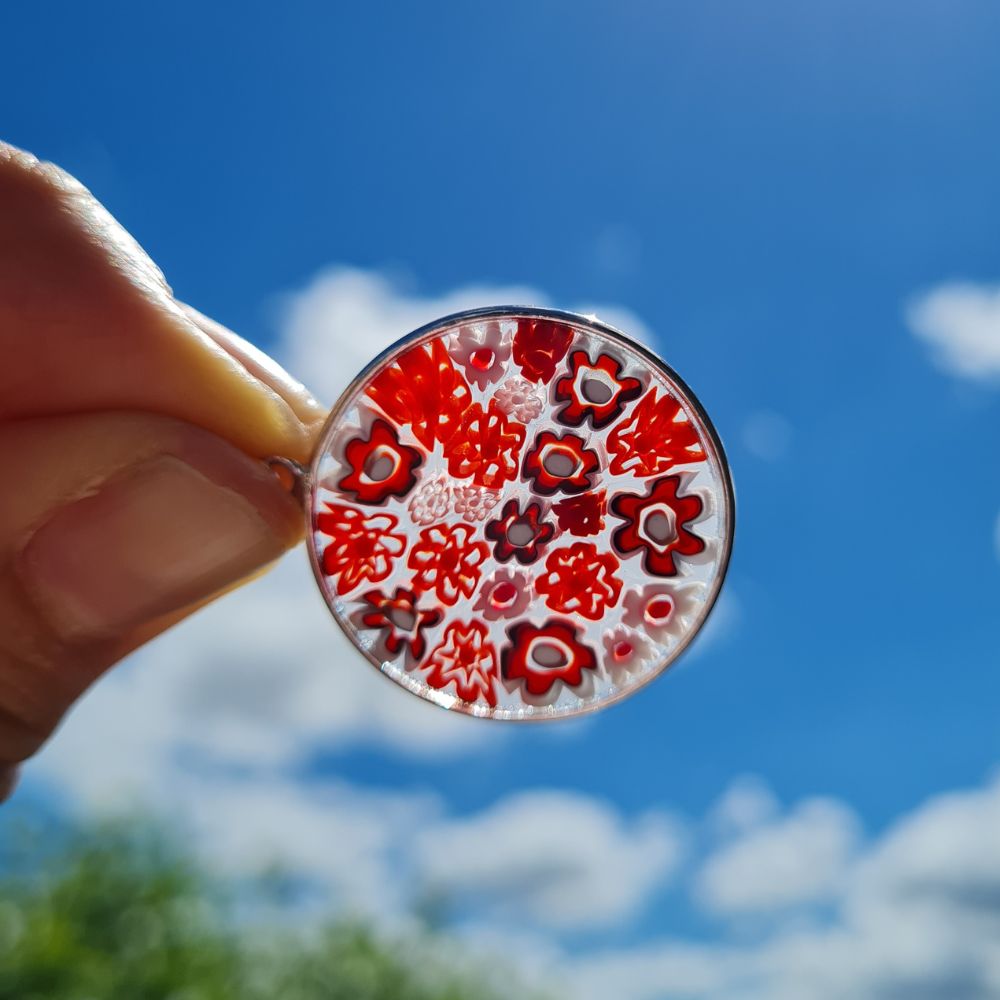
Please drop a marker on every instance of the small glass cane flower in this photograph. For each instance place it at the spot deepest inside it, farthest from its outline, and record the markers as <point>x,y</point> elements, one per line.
<point>519,399</point>
<point>595,391</point>
<point>506,594</point>
<point>423,388</point>
<point>481,351</point>
<point>432,501</point>
<point>560,464</point>
<point>474,503</point>
<point>519,535</point>
<point>466,659</point>
<point>363,547</point>
<point>625,651</point>
<point>447,561</point>
<point>539,345</point>
<point>399,620</point>
<point>542,657</point>
<point>653,438</point>
<point>580,580</point>
<point>380,466</point>
<point>582,515</point>
<point>486,447</point>
<point>656,525</point>
<point>661,610</point>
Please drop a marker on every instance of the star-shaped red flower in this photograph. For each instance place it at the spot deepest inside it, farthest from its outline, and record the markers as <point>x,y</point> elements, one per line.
<point>653,437</point>
<point>467,659</point>
<point>399,619</point>
<point>539,345</point>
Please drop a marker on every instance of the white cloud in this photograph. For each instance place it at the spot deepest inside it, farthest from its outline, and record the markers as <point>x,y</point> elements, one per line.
<point>798,858</point>
<point>566,859</point>
<point>747,803</point>
<point>961,324</point>
<point>916,916</point>
<point>345,317</point>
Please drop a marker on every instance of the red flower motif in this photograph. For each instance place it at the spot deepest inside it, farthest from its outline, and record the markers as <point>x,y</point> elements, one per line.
<point>580,580</point>
<point>380,465</point>
<point>466,659</point>
<point>582,515</point>
<point>399,619</point>
<point>594,391</point>
<point>447,562</point>
<point>541,657</point>
<point>519,535</point>
<point>560,463</point>
<point>654,437</point>
<point>539,345</point>
<point>425,390</point>
<point>657,524</point>
<point>363,547</point>
<point>485,447</point>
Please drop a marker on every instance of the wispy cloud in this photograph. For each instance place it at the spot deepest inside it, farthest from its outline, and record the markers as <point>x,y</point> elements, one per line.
<point>960,322</point>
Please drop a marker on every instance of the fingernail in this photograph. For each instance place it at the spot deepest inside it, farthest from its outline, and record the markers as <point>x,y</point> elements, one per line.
<point>150,541</point>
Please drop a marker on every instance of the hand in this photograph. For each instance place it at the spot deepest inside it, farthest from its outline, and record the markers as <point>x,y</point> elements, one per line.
<point>131,436</point>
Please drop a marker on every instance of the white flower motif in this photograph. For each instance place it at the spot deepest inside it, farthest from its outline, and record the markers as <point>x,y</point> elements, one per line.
<point>662,610</point>
<point>474,503</point>
<point>506,594</point>
<point>482,352</point>
<point>432,501</point>
<point>626,651</point>
<point>519,399</point>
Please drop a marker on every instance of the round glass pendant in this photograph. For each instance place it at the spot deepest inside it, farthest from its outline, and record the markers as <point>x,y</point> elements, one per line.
<point>519,513</point>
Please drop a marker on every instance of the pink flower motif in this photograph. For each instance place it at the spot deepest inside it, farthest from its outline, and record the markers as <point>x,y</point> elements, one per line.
<point>625,651</point>
<point>447,561</point>
<point>519,399</point>
<point>481,351</point>
<point>506,594</point>
<point>431,502</point>
<point>662,610</point>
<point>474,503</point>
<point>467,659</point>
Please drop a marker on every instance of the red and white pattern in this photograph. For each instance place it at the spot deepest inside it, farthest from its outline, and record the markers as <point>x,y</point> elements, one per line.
<point>520,514</point>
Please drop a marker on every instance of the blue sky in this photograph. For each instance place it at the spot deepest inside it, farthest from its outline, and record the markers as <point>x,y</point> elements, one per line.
<point>771,189</point>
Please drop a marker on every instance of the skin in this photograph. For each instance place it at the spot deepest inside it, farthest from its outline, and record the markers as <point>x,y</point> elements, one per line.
<point>132,434</point>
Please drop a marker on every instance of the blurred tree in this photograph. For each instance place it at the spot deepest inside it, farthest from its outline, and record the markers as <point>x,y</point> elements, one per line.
<point>116,913</point>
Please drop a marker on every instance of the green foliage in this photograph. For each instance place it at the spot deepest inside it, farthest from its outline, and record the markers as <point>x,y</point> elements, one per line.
<point>118,914</point>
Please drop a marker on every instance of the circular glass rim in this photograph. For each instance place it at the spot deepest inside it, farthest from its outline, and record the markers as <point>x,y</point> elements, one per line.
<point>529,713</point>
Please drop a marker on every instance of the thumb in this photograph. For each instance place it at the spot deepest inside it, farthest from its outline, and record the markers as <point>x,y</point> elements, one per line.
<point>120,524</point>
